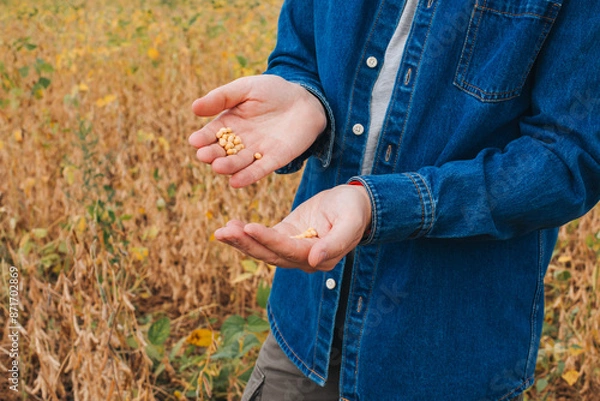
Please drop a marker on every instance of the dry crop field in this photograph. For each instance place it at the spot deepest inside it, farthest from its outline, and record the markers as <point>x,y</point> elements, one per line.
<point>106,217</point>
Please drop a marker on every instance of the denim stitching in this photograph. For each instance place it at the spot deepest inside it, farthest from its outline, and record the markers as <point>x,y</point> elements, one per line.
<point>319,318</point>
<point>468,46</point>
<point>524,384</point>
<point>418,230</point>
<point>290,348</point>
<point>416,76</point>
<point>426,231</point>
<point>463,67</point>
<point>366,311</point>
<point>351,100</point>
<point>540,41</point>
<point>535,306</point>
<point>550,19</point>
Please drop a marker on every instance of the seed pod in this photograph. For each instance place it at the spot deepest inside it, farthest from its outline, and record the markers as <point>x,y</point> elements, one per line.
<point>231,151</point>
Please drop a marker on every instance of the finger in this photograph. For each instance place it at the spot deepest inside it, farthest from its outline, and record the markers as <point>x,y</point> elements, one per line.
<point>332,247</point>
<point>208,154</point>
<point>233,163</point>
<point>257,170</point>
<point>222,98</point>
<point>233,234</point>
<point>207,135</point>
<point>288,249</point>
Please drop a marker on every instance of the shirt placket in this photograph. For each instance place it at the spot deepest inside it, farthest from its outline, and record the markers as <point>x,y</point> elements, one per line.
<point>362,290</point>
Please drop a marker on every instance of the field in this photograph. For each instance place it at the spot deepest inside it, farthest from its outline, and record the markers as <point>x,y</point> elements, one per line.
<point>106,217</point>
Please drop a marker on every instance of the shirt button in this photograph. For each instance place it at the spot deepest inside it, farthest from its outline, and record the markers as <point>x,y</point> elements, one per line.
<point>372,62</point>
<point>358,129</point>
<point>330,283</point>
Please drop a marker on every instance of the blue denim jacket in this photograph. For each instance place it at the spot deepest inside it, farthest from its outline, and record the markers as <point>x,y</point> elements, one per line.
<point>491,141</point>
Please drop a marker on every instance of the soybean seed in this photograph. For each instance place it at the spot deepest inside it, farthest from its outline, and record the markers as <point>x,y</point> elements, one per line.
<point>309,233</point>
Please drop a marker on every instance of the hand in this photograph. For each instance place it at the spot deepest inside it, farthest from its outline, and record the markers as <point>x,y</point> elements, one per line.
<point>340,215</point>
<point>272,116</point>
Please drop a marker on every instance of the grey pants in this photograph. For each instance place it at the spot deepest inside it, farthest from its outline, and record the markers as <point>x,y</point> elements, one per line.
<point>276,378</point>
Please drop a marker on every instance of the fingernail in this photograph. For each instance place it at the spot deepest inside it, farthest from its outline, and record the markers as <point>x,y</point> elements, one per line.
<point>322,257</point>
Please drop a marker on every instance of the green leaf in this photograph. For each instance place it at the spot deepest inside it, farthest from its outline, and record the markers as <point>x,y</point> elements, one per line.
<point>172,190</point>
<point>229,351</point>
<point>24,71</point>
<point>541,384</point>
<point>155,352</point>
<point>232,328</point>
<point>176,348</point>
<point>257,324</point>
<point>562,275</point>
<point>242,60</point>
<point>132,342</point>
<point>262,293</point>
<point>42,66</point>
<point>44,82</point>
<point>250,342</point>
<point>159,331</point>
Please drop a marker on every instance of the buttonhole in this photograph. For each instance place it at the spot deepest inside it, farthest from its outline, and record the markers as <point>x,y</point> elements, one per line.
<point>407,76</point>
<point>388,153</point>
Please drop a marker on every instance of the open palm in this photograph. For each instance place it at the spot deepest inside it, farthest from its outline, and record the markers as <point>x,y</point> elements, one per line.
<point>276,118</point>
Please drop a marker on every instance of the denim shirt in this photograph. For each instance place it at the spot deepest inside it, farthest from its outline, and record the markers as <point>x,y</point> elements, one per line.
<point>490,142</point>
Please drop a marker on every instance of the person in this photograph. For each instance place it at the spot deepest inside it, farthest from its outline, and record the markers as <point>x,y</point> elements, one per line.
<point>443,143</point>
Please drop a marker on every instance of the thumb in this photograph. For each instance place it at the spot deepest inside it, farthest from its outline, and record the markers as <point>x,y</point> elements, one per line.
<point>222,98</point>
<point>330,249</point>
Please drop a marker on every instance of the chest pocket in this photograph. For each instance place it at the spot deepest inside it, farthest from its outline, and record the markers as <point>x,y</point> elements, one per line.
<point>503,40</point>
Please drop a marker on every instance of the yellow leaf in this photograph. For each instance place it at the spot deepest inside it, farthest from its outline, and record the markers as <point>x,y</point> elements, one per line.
<point>241,277</point>
<point>209,215</point>
<point>249,266</point>
<point>564,259</point>
<point>151,233</point>
<point>105,100</point>
<point>153,54</point>
<point>143,136</point>
<point>140,253</point>
<point>39,232</point>
<point>212,237</point>
<point>28,185</point>
<point>69,174</point>
<point>18,134</point>
<point>1,145</point>
<point>164,143</point>
<point>570,376</point>
<point>575,350</point>
<point>83,88</point>
<point>200,338</point>
<point>81,225</point>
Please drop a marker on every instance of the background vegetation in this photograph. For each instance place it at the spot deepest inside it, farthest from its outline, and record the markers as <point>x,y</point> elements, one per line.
<point>124,293</point>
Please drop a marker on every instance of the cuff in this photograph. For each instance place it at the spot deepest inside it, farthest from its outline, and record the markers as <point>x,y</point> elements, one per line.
<point>402,206</point>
